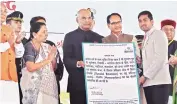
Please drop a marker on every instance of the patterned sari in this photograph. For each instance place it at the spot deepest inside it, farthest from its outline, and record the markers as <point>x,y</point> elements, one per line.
<point>175,84</point>
<point>175,87</point>
<point>40,86</point>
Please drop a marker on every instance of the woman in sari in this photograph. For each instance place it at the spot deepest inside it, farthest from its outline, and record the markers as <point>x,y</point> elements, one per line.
<point>38,82</point>
<point>173,63</point>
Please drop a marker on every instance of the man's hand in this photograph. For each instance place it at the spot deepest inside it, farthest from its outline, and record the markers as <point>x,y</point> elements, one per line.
<point>20,37</point>
<point>80,64</point>
<point>11,40</point>
<point>142,80</point>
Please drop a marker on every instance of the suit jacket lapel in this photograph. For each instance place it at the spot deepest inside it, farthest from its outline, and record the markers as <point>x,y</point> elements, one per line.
<point>145,42</point>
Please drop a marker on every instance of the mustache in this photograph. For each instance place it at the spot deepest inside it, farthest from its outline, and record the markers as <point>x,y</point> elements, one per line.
<point>143,25</point>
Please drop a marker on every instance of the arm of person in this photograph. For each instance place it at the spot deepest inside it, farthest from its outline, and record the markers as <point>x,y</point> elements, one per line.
<point>137,50</point>
<point>31,66</point>
<point>54,61</point>
<point>54,64</point>
<point>134,40</point>
<point>60,68</point>
<point>69,60</point>
<point>4,46</point>
<point>160,54</point>
<point>58,64</point>
<point>29,58</point>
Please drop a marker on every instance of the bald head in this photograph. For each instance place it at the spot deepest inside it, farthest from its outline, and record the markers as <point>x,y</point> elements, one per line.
<point>3,12</point>
<point>84,19</point>
<point>82,12</point>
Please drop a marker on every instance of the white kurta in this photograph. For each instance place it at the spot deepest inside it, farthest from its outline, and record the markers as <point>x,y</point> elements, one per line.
<point>9,92</point>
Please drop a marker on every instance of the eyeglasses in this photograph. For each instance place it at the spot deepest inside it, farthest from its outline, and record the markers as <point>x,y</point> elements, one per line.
<point>115,23</point>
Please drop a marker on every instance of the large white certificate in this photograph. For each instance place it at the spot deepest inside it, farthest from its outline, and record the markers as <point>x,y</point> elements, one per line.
<point>111,74</point>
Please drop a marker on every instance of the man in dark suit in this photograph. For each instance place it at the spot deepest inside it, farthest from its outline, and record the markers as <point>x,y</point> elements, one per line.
<point>72,49</point>
<point>139,41</point>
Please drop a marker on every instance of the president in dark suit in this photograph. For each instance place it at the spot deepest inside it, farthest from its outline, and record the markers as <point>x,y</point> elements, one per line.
<point>72,49</point>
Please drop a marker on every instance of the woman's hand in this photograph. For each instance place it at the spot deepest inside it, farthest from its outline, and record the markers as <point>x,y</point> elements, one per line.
<point>52,53</point>
<point>173,60</point>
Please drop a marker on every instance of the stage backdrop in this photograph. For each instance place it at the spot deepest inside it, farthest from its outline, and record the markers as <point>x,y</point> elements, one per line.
<point>61,17</point>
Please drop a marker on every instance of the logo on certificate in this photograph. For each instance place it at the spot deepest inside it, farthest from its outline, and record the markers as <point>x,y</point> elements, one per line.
<point>128,50</point>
